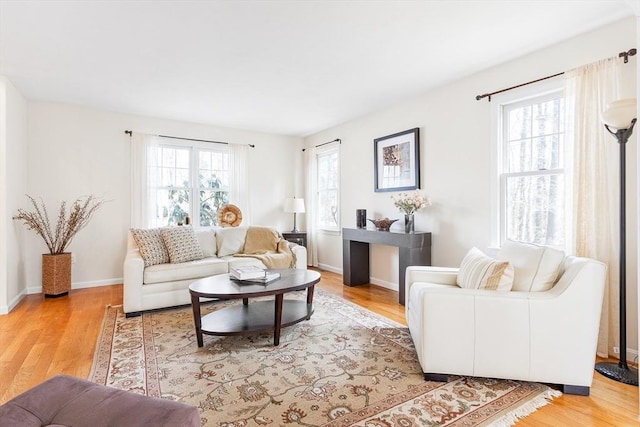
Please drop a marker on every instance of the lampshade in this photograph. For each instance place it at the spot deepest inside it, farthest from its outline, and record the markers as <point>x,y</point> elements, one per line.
<point>618,114</point>
<point>294,205</point>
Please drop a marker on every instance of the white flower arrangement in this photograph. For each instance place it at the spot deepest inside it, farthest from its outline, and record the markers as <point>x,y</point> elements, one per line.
<point>410,203</point>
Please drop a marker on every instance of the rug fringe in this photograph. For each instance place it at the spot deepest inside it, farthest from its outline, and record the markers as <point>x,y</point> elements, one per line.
<point>512,417</point>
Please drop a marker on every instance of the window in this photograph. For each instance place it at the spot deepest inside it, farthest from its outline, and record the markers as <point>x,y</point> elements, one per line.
<point>532,178</point>
<point>328,202</point>
<point>187,180</point>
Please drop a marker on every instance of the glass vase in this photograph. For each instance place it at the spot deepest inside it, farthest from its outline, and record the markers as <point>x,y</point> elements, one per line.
<point>409,223</point>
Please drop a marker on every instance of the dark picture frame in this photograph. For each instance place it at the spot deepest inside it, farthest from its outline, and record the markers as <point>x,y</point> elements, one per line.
<point>397,161</point>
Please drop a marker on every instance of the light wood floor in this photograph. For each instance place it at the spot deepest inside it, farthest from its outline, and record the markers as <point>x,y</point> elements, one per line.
<point>44,337</point>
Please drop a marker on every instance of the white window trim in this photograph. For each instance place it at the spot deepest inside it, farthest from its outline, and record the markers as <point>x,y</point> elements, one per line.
<point>498,102</point>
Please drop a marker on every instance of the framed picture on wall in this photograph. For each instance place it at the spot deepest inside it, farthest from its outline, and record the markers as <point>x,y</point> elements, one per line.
<point>397,161</point>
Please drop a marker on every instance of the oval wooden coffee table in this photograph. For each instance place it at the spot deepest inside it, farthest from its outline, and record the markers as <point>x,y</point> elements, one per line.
<point>259,316</point>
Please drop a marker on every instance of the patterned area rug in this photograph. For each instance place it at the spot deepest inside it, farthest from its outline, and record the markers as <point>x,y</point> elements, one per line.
<point>344,367</point>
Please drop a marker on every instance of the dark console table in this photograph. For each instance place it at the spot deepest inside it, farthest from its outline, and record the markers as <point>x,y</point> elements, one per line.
<point>413,249</point>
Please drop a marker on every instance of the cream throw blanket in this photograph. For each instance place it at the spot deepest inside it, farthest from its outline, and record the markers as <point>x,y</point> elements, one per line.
<point>267,245</point>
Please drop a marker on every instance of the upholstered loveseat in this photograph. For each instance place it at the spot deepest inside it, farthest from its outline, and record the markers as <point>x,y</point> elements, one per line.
<point>541,327</point>
<point>161,263</point>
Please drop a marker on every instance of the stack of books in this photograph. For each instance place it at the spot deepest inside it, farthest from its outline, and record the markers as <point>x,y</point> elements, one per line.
<point>252,274</point>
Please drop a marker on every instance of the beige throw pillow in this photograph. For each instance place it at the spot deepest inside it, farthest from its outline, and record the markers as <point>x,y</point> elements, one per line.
<point>230,240</point>
<point>478,271</point>
<point>151,246</point>
<point>182,244</point>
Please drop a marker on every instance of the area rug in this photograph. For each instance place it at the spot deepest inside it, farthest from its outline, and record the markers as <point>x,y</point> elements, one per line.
<point>345,366</point>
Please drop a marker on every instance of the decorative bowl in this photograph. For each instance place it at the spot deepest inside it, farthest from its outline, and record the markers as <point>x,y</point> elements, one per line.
<point>382,224</point>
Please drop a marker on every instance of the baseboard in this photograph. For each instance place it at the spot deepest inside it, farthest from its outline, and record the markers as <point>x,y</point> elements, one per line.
<point>80,285</point>
<point>384,284</point>
<point>96,283</point>
<point>372,280</point>
<point>330,268</point>
<point>5,309</point>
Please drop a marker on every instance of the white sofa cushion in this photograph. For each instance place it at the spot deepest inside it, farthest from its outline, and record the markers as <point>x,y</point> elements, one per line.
<point>230,240</point>
<point>185,270</point>
<point>478,271</point>
<point>150,245</point>
<point>207,240</point>
<point>536,268</point>
<point>181,243</point>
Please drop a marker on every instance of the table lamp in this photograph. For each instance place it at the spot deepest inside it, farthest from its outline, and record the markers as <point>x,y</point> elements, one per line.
<point>294,206</point>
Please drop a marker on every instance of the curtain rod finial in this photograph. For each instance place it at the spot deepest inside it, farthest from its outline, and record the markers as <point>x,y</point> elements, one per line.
<point>129,132</point>
<point>627,54</point>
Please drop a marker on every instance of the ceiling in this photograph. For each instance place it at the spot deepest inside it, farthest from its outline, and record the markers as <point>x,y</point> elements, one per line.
<point>286,67</point>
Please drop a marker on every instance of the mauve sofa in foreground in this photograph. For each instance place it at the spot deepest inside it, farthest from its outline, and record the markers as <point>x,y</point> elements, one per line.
<point>68,401</point>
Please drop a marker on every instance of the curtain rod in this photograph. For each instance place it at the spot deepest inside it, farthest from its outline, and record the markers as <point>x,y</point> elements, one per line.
<point>130,133</point>
<point>625,55</point>
<point>338,140</point>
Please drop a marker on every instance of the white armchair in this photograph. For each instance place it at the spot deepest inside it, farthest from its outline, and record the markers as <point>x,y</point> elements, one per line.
<point>547,336</point>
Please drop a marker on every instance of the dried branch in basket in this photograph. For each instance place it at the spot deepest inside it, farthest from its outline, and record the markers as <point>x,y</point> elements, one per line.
<point>66,226</point>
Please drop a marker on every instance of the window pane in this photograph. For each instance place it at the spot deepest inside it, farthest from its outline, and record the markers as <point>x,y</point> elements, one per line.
<point>182,159</point>
<point>547,118</point>
<point>168,177</point>
<point>168,157</point>
<point>328,208</point>
<point>547,152</point>
<point>535,209</point>
<point>520,123</point>
<point>328,190</point>
<point>210,202</point>
<point>519,155</point>
<point>172,206</point>
<point>213,177</point>
<point>204,158</point>
<point>182,178</point>
<point>214,169</point>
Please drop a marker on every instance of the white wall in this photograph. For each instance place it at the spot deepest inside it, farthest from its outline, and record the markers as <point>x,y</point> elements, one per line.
<point>13,184</point>
<point>75,151</point>
<point>455,151</point>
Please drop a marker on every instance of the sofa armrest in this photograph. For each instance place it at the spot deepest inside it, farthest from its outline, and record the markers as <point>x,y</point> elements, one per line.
<point>300,253</point>
<point>434,275</point>
<point>133,276</point>
<point>437,275</point>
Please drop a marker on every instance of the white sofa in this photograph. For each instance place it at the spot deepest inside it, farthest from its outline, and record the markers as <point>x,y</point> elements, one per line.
<point>529,334</point>
<point>166,284</point>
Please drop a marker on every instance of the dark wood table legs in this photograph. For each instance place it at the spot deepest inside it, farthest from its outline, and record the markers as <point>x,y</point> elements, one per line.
<point>197,319</point>
<point>291,310</point>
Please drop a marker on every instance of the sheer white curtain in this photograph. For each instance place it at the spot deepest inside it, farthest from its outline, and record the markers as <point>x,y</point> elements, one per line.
<point>311,193</point>
<point>592,162</point>
<point>239,191</point>
<point>142,145</point>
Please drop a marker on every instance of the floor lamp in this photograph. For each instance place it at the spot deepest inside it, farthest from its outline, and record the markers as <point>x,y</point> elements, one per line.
<point>619,119</point>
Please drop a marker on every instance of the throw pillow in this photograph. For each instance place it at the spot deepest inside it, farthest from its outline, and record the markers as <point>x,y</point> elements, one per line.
<point>207,240</point>
<point>230,240</point>
<point>536,268</point>
<point>182,244</point>
<point>151,246</point>
<point>478,271</point>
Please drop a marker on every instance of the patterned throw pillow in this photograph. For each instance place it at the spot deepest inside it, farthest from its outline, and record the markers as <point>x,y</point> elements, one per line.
<point>478,271</point>
<point>182,244</point>
<point>151,246</point>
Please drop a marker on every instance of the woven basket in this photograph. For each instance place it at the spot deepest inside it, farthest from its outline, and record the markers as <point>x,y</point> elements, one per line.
<point>56,274</point>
